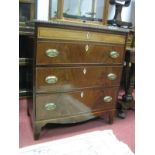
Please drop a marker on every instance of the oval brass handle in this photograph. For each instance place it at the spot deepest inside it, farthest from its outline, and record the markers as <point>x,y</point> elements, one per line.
<point>114,54</point>
<point>111,76</point>
<point>50,106</point>
<point>51,79</point>
<point>52,53</point>
<point>107,99</point>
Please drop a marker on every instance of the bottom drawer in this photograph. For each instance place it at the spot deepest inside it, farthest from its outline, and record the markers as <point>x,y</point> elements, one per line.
<point>58,105</point>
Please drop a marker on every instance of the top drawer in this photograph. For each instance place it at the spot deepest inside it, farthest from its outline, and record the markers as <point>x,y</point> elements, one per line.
<point>79,35</point>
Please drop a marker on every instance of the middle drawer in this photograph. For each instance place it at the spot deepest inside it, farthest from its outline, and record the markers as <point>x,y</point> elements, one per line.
<point>61,79</point>
<point>78,53</point>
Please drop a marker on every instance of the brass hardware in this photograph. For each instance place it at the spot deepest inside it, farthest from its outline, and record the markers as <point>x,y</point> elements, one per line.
<point>111,76</point>
<point>107,99</point>
<point>50,106</point>
<point>52,53</point>
<point>114,54</point>
<point>51,79</point>
<point>87,48</point>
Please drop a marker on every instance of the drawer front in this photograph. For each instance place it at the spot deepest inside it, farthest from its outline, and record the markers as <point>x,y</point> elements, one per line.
<point>69,53</point>
<point>55,106</point>
<point>62,79</point>
<point>79,35</point>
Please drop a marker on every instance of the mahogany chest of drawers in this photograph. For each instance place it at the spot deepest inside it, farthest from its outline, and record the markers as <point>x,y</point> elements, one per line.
<point>76,73</point>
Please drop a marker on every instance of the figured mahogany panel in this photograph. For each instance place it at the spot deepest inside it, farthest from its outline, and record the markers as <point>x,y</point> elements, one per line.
<point>58,105</point>
<point>69,53</point>
<point>70,78</point>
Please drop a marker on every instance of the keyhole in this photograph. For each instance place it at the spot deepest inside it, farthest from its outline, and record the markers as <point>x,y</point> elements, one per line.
<point>87,48</point>
<point>82,94</point>
<point>88,35</point>
<point>84,71</point>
